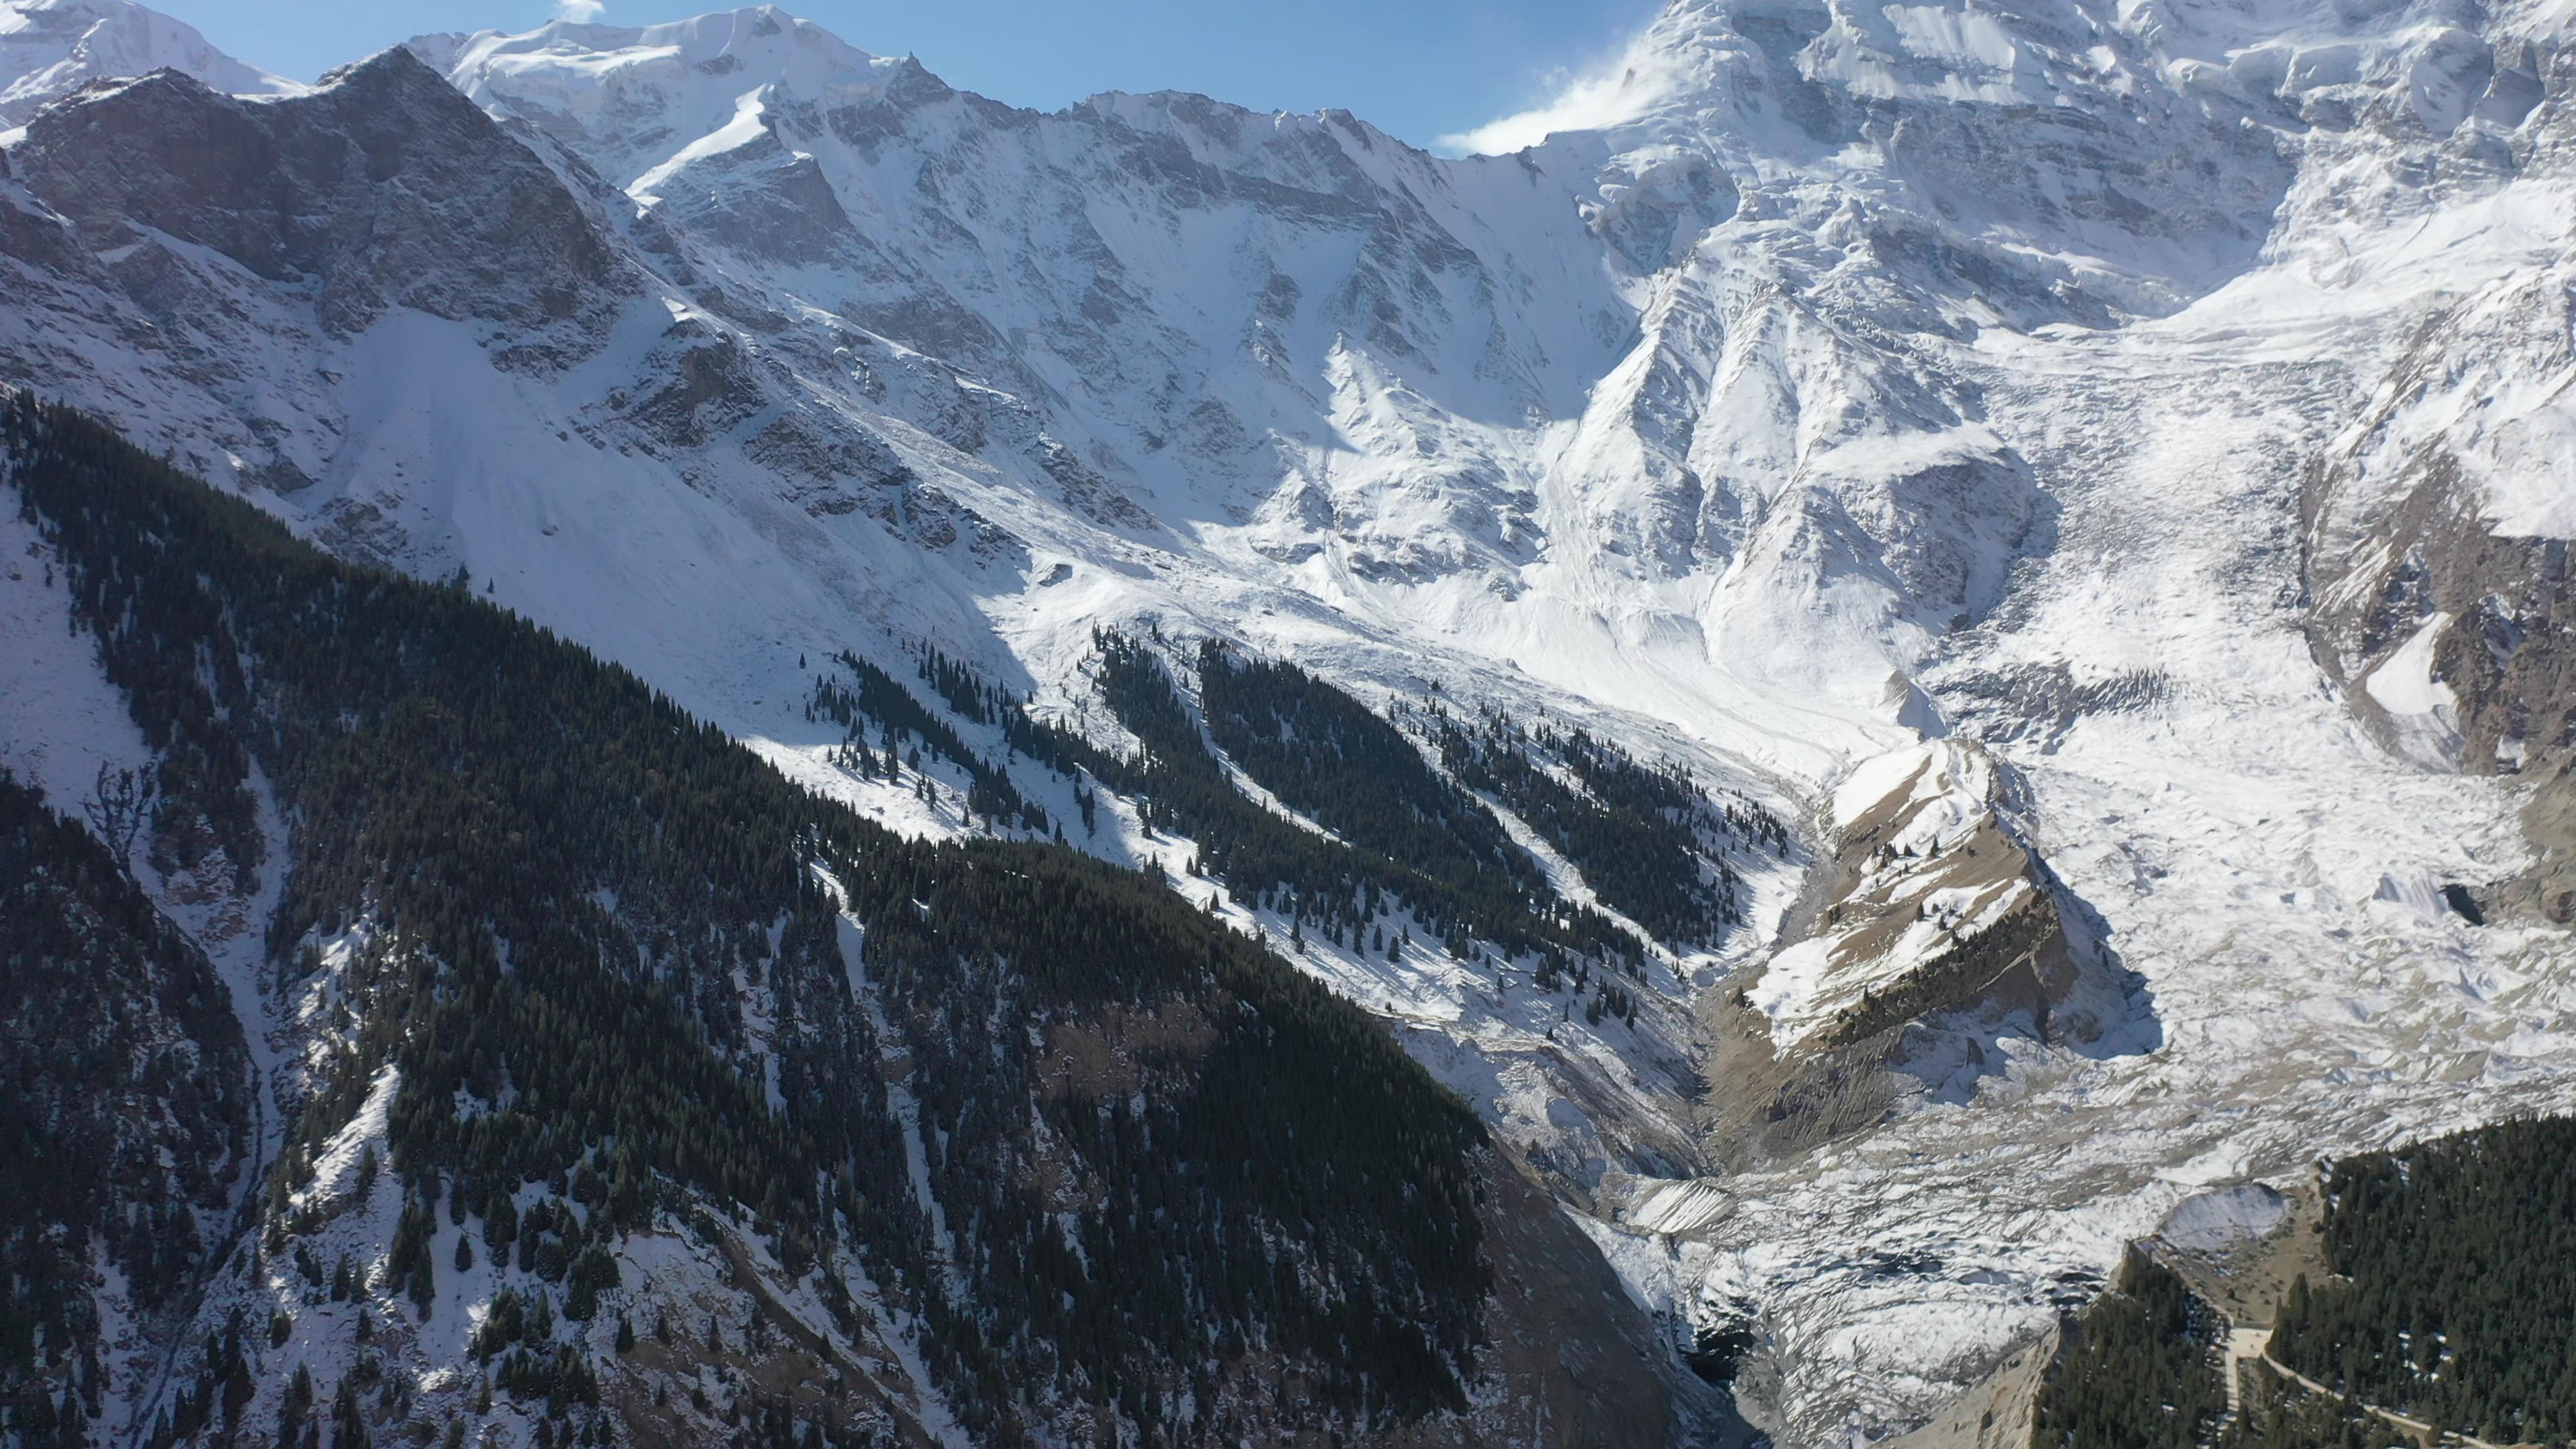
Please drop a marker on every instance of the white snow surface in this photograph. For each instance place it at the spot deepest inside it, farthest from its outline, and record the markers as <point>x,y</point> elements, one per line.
<point>1863,376</point>
<point>2229,1218</point>
<point>2421,708</point>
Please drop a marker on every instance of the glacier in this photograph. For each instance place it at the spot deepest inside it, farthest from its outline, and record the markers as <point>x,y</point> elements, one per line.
<point>2064,387</point>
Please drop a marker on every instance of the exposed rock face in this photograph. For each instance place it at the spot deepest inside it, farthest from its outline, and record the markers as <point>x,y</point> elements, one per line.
<point>1931,903</point>
<point>1996,1412</point>
<point>2436,567</point>
<point>382,189</point>
<point>2460,645</point>
<point>1574,1361</point>
<point>1933,926</point>
<point>282,264</point>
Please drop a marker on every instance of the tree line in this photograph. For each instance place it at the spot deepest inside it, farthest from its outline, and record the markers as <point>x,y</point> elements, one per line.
<point>1457,891</point>
<point>1647,839</point>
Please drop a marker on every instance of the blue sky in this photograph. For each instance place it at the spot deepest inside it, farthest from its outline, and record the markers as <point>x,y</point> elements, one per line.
<point>1420,69</point>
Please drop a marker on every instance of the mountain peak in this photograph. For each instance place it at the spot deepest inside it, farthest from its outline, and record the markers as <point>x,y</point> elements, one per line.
<point>50,48</point>
<point>754,45</point>
<point>695,75</point>
<point>396,66</point>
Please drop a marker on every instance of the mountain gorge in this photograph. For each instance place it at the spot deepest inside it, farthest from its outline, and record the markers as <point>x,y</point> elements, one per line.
<point>1947,629</point>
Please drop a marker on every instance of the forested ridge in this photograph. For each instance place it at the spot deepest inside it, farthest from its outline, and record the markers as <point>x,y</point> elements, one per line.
<point>905,726</point>
<point>1345,888</point>
<point>569,889</point>
<point>2448,1297</point>
<point>1406,832</point>
<point>1331,758</point>
<point>2139,1368</point>
<point>1646,839</point>
<point>2453,1290</point>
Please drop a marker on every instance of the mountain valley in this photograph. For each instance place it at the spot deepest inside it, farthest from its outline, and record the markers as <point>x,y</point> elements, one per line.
<point>1212,779</point>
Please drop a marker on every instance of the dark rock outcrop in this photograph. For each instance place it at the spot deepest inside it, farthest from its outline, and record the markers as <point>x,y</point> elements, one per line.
<point>383,188</point>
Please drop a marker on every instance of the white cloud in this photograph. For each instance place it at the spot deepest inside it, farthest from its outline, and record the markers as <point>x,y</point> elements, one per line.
<point>1617,90</point>
<point>580,12</point>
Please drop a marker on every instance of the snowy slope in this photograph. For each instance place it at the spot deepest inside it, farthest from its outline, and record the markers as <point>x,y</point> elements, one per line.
<point>2005,375</point>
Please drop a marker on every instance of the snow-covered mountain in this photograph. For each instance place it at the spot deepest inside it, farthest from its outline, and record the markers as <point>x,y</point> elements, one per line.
<point>2134,433</point>
<point>51,48</point>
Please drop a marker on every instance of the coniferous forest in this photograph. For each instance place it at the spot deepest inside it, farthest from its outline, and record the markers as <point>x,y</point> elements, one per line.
<point>544,894</point>
<point>104,1009</point>
<point>2446,1298</point>
<point>1327,756</point>
<point>1647,839</point>
<point>903,727</point>
<point>2139,1368</point>
<point>1348,888</point>
<point>2279,1414</point>
<point>2453,1295</point>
